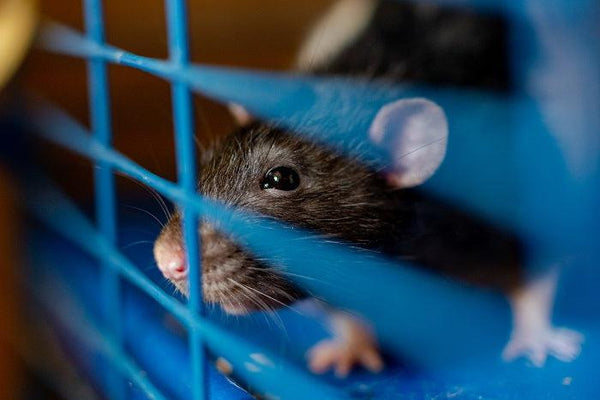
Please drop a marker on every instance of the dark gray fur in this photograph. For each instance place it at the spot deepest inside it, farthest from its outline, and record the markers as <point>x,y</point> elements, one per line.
<point>345,200</point>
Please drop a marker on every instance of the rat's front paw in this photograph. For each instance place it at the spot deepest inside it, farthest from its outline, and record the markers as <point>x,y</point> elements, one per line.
<point>536,345</point>
<point>342,356</point>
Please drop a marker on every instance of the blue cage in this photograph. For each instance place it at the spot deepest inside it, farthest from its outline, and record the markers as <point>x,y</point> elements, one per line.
<point>112,313</point>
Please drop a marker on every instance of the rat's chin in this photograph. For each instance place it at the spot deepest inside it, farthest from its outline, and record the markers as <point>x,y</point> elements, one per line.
<point>243,305</point>
<point>235,309</point>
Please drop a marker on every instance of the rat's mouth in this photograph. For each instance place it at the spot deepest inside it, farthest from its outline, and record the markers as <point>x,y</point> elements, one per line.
<point>231,278</point>
<point>239,297</point>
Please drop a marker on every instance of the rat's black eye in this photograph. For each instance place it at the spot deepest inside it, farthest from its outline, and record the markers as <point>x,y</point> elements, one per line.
<point>280,178</point>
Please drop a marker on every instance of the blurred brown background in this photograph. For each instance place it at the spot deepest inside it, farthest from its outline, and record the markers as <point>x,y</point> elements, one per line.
<point>246,33</point>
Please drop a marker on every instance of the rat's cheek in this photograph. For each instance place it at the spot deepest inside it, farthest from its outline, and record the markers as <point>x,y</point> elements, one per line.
<point>216,248</point>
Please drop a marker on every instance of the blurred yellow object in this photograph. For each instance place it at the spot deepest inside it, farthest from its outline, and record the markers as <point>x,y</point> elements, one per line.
<point>17,25</point>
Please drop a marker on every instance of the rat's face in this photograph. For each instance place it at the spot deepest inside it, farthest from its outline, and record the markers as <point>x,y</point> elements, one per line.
<point>276,174</point>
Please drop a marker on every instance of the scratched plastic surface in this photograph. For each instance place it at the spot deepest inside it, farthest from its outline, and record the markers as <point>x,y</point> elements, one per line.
<point>150,335</point>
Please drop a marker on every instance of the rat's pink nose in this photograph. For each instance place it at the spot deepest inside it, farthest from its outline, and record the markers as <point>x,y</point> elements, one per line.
<point>176,269</point>
<point>171,262</point>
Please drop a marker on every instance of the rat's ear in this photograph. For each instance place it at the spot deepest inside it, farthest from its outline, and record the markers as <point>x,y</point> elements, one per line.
<point>415,133</point>
<point>240,114</point>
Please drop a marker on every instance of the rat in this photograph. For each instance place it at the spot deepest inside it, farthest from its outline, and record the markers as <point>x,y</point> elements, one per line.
<point>267,169</point>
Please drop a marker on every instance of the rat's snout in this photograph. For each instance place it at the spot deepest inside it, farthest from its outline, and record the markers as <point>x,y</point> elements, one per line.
<point>171,260</point>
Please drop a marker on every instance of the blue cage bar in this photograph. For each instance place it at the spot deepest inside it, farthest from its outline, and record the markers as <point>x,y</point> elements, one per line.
<point>186,167</point>
<point>104,184</point>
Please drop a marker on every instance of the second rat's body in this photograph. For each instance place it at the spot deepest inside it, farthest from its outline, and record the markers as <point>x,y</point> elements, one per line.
<point>279,174</point>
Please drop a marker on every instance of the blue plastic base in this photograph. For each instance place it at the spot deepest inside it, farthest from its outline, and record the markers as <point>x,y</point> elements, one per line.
<point>157,342</point>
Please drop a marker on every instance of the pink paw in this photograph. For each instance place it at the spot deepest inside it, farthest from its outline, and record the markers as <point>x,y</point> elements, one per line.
<point>564,344</point>
<point>343,356</point>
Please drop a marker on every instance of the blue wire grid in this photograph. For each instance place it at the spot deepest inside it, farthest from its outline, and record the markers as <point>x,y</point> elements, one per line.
<point>557,196</point>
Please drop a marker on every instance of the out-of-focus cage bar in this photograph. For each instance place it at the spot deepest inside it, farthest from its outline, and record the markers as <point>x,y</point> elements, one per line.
<point>291,99</point>
<point>186,169</point>
<point>105,196</point>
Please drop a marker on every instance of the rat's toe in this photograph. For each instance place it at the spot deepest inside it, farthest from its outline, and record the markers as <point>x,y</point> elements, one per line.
<point>323,356</point>
<point>565,344</point>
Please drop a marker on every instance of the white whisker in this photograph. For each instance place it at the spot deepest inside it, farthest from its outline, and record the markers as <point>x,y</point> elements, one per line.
<point>162,225</point>
<point>137,243</point>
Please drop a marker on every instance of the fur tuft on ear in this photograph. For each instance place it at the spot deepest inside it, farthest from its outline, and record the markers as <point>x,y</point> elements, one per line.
<point>240,114</point>
<point>415,133</point>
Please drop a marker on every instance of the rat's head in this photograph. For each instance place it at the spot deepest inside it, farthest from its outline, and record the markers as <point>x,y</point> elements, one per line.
<point>277,174</point>
<point>281,175</point>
